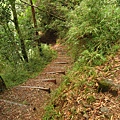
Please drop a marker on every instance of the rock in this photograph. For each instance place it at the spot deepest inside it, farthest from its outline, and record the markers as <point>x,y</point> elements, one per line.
<point>108,85</point>
<point>104,86</point>
<point>104,109</point>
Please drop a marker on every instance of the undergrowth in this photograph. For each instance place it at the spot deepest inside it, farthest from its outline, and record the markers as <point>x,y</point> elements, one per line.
<point>14,74</point>
<point>79,81</point>
<point>93,35</point>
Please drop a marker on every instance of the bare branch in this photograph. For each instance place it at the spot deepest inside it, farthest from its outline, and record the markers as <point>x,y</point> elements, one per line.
<point>62,19</point>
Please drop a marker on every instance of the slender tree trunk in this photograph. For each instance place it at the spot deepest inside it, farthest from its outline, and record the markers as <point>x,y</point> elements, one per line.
<point>35,26</point>
<point>11,37</point>
<point>24,53</point>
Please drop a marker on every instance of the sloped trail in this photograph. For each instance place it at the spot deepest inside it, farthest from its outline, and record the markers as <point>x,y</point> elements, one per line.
<point>27,101</point>
<point>85,102</point>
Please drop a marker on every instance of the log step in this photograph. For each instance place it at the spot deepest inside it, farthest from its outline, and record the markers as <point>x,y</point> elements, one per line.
<point>61,62</point>
<point>60,68</point>
<point>56,72</point>
<point>63,56</point>
<point>57,67</point>
<point>49,80</point>
<point>34,87</point>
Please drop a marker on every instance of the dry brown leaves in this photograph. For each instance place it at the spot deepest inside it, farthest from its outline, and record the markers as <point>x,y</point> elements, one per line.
<point>81,104</point>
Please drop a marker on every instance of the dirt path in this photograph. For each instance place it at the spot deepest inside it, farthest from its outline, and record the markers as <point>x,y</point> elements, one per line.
<point>27,101</point>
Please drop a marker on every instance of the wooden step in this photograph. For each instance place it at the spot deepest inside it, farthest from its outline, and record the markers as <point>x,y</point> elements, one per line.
<point>56,72</point>
<point>63,57</point>
<point>49,80</point>
<point>59,67</point>
<point>34,87</point>
<point>61,62</point>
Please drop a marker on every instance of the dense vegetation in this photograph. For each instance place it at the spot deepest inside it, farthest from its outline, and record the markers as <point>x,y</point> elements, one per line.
<point>21,53</point>
<point>90,28</point>
<point>91,31</point>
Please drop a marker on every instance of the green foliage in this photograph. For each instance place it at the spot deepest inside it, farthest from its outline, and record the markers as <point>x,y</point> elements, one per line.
<point>96,23</point>
<point>91,99</point>
<point>14,70</point>
<point>4,12</point>
<point>48,54</point>
<point>92,31</point>
<point>66,80</point>
<point>91,58</point>
<point>37,63</point>
<point>15,74</point>
<point>51,113</point>
<point>10,50</point>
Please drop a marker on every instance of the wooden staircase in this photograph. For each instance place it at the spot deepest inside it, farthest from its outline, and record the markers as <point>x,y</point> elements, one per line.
<point>27,101</point>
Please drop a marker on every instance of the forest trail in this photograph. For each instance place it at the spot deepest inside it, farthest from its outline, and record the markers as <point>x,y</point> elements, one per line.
<point>27,101</point>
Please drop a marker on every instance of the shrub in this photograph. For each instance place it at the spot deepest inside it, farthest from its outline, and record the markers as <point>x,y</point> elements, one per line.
<point>94,25</point>
<point>15,74</point>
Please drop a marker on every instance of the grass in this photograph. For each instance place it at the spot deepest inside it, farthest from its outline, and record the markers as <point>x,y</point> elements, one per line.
<point>15,74</point>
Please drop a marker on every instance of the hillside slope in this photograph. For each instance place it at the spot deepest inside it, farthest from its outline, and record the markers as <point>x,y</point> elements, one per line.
<point>91,94</point>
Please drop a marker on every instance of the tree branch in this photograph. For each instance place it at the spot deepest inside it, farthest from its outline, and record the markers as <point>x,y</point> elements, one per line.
<point>62,19</point>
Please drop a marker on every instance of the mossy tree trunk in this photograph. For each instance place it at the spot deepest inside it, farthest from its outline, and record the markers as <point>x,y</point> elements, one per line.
<point>24,53</point>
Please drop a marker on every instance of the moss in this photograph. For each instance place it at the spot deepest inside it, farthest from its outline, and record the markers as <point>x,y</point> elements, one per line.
<point>104,86</point>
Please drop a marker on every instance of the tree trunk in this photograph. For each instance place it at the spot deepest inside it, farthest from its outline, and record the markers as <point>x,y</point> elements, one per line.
<point>2,85</point>
<point>24,53</point>
<point>11,37</point>
<point>35,26</point>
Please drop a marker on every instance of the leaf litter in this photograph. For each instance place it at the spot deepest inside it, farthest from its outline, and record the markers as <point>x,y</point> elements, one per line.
<point>27,103</point>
